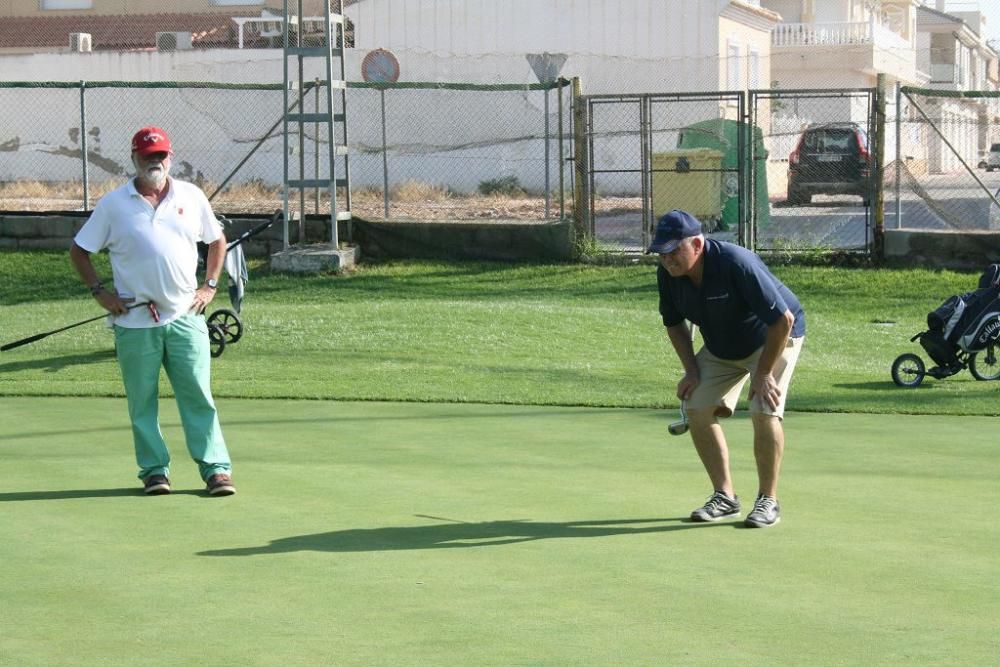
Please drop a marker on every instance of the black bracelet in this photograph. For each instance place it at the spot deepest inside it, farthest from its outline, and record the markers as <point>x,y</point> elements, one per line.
<point>96,288</point>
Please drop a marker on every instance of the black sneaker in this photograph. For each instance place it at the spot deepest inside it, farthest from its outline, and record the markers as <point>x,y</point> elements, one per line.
<point>220,484</point>
<point>719,506</point>
<point>156,485</point>
<point>765,513</point>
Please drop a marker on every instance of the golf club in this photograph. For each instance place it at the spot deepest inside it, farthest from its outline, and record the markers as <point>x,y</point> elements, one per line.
<point>679,427</point>
<point>32,339</point>
<point>252,232</point>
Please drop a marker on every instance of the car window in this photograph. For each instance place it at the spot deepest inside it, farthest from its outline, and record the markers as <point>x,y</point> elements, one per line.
<point>830,141</point>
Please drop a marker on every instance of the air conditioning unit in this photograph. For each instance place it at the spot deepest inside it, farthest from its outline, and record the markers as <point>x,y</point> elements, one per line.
<point>173,41</point>
<point>80,42</point>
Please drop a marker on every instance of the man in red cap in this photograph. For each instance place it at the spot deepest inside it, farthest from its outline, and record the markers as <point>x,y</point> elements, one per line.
<point>151,226</point>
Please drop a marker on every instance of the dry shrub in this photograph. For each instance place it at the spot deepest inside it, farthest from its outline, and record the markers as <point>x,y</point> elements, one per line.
<point>418,191</point>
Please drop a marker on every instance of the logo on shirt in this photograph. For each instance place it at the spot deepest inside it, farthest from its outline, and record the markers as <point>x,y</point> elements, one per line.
<point>180,211</point>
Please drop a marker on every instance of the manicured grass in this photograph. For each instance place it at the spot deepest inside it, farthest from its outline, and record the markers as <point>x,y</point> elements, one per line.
<point>434,534</point>
<point>492,333</point>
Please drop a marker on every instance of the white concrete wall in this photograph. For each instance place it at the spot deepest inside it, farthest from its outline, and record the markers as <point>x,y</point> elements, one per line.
<point>614,46</point>
<point>639,44</point>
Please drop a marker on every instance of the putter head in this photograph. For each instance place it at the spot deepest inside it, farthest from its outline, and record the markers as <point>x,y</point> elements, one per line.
<point>678,428</point>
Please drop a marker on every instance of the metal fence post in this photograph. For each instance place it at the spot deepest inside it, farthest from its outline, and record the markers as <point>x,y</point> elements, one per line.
<point>899,153</point>
<point>83,146</point>
<point>581,196</point>
<point>385,156</point>
<point>316,192</point>
<point>562,184</point>
<point>878,201</point>
<point>547,188</point>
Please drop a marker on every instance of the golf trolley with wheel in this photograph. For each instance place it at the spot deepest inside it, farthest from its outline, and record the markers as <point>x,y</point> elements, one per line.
<point>909,370</point>
<point>224,325</point>
<point>963,332</point>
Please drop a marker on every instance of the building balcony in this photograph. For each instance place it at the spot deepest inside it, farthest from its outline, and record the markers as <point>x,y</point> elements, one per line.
<point>866,46</point>
<point>837,34</point>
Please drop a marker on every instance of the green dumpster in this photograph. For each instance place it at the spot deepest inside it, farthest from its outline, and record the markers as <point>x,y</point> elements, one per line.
<point>721,134</point>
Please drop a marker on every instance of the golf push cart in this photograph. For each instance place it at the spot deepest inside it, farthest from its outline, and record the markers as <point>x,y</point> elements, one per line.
<point>963,332</point>
<point>224,325</point>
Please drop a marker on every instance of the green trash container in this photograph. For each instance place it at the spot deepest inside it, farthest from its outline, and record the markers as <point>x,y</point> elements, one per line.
<point>721,134</point>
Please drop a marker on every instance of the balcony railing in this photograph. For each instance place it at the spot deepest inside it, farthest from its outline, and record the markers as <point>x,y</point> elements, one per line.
<point>837,34</point>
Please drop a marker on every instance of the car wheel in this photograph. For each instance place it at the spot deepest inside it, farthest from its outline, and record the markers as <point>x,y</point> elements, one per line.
<point>796,197</point>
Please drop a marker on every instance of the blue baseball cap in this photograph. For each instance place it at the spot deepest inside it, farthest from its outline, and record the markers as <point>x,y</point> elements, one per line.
<point>671,229</point>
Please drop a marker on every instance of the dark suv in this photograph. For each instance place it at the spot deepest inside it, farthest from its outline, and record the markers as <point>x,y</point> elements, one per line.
<point>830,159</point>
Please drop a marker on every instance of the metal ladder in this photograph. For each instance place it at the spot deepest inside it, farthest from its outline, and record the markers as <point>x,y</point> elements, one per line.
<point>333,118</point>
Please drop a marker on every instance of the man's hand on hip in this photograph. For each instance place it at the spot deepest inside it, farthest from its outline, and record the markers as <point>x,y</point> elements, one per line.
<point>202,297</point>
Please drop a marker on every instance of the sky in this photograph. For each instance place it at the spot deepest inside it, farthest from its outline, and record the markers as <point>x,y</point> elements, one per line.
<point>989,8</point>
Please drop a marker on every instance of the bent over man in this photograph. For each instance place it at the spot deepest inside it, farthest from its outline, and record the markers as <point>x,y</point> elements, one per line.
<point>752,327</point>
<point>151,226</point>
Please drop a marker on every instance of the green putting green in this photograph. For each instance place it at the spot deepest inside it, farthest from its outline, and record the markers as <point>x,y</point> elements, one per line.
<point>443,534</point>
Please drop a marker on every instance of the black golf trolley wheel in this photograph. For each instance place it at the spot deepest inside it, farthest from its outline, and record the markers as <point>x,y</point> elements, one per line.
<point>985,365</point>
<point>908,370</point>
<point>224,328</point>
<point>216,340</point>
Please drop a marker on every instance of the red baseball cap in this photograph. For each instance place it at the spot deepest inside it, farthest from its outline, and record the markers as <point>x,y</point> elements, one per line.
<point>150,140</point>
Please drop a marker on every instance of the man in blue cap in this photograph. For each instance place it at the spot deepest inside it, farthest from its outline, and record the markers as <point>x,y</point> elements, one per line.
<point>752,326</point>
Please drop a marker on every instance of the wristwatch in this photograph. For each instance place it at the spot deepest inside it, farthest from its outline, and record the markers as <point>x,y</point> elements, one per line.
<point>213,283</point>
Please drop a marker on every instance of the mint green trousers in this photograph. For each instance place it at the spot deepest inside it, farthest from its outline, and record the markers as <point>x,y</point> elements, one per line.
<point>181,348</point>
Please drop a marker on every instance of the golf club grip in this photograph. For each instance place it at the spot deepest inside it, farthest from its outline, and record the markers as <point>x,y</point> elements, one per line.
<point>24,341</point>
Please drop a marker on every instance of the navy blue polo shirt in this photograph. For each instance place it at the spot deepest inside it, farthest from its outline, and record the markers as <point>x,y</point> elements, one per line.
<point>738,299</point>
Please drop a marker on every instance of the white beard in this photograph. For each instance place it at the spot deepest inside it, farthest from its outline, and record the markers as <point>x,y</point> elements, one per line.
<point>155,174</point>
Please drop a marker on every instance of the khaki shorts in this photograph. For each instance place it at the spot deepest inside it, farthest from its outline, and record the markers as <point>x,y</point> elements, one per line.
<point>722,380</point>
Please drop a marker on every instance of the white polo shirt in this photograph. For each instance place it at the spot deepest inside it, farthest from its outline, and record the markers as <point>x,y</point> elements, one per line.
<point>153,252</point>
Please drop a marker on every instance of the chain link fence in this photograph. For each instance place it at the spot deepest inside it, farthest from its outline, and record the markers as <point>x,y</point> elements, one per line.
<point>418,150</point>
<point>944,175</point>
<point>816,155</point>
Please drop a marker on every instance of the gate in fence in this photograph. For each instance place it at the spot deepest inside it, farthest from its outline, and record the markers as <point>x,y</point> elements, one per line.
<point>790,170</point>
<point>649,153</point>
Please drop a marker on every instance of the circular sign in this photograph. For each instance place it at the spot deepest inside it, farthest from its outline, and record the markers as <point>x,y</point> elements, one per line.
<point>380,66</point>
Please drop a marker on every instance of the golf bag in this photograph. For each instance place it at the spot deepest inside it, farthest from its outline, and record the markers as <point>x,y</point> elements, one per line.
<point>968,322</point>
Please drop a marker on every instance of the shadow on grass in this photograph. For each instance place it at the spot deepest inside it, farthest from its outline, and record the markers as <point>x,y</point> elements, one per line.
<point>457,535</point>
<point>880,385</point>
<point>70,494</point>
<point>56,364</point>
